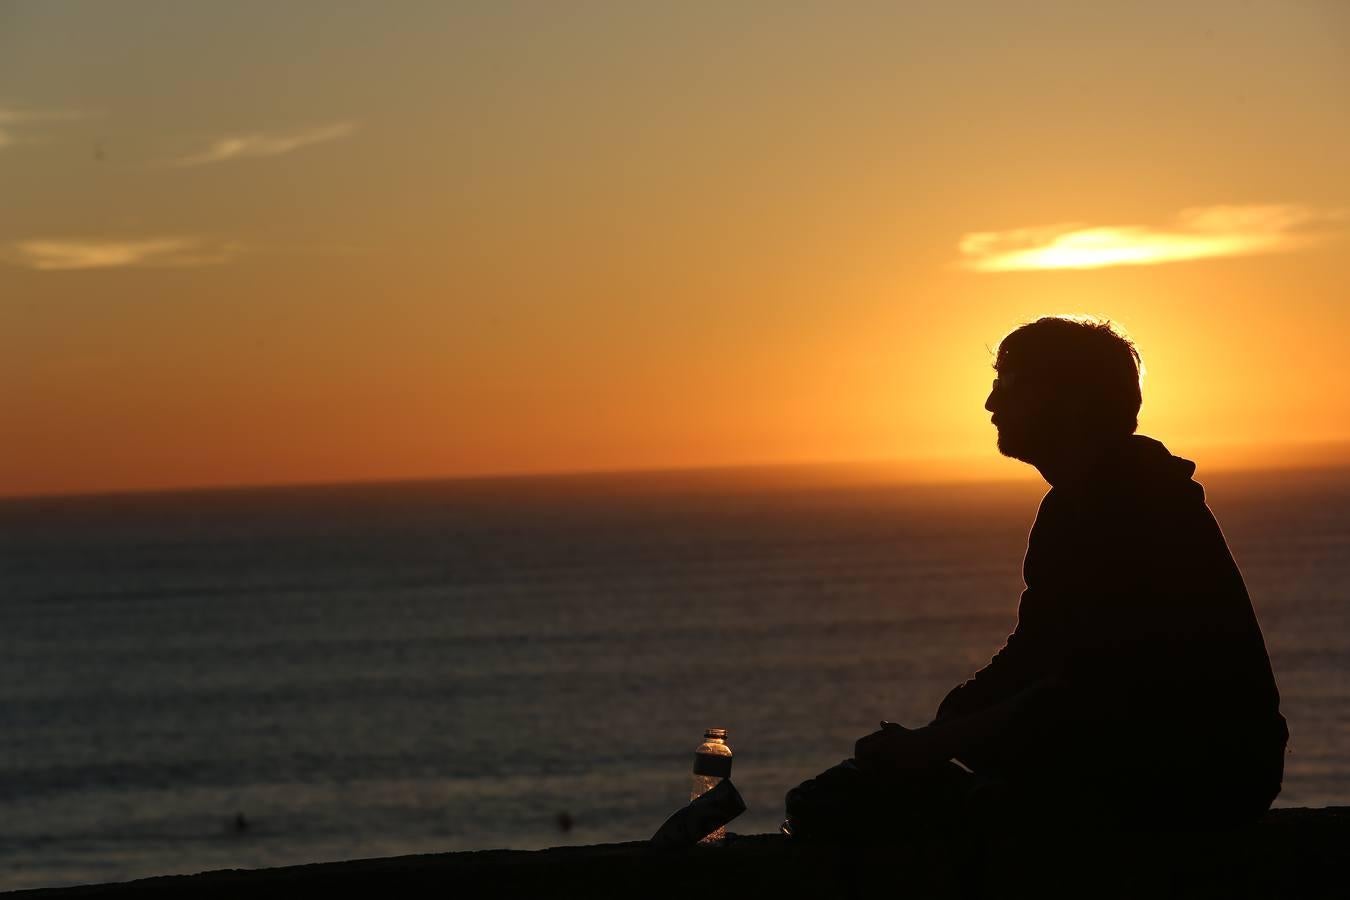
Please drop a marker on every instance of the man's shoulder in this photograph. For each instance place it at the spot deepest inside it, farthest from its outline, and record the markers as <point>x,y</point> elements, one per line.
<point>1127,514</point>
<point>1138,475</point>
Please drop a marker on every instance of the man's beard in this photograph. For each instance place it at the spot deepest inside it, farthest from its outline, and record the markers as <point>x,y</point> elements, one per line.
<point>1024,445</point>
<point>1048,436</point>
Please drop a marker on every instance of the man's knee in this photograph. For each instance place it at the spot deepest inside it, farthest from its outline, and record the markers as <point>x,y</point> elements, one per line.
<point>847,804</point>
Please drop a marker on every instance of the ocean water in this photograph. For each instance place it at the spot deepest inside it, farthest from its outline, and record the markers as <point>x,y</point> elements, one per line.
<point>385,669</point>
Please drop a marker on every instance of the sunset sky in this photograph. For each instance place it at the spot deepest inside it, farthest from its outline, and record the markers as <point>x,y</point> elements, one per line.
<point>281,242</point>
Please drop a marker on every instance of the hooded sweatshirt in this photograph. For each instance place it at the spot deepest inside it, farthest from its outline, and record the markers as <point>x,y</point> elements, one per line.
<point>1136,610</point>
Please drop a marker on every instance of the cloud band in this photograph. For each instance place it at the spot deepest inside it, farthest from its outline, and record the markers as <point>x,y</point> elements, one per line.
<point>258,145</point>
<point>1202,232</point>
<point>157,252</point>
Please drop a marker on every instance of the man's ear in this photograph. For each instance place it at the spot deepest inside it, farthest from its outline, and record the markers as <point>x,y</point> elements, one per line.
<point>1078,409</point>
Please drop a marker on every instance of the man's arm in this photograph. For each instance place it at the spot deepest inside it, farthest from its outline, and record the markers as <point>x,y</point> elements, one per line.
<point>895,748</point>
<point>1008,672</point>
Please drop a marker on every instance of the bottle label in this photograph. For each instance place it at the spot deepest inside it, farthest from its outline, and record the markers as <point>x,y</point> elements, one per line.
<point>712,764</point>
<point>701,817</point>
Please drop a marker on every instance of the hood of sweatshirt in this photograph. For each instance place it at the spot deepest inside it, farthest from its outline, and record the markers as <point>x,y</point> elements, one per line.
<point>1144,457</point>
<point>1140,464</point>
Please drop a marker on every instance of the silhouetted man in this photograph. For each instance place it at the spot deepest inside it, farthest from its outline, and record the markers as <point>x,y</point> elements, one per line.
<point>1136,686</point>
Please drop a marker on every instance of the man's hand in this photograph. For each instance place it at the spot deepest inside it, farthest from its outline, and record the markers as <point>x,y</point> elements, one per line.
<point>893,749</point>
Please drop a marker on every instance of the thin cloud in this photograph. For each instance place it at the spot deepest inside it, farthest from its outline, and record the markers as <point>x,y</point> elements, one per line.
<point>1201,232</point>
<point>11,116</point>
<point>157,252</point>
<point>245,146</point>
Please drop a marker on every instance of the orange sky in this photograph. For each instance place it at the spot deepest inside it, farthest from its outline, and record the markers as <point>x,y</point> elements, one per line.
<point>261,243</point>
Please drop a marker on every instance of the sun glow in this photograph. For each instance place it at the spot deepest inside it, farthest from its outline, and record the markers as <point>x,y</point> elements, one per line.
<point>465,240</point>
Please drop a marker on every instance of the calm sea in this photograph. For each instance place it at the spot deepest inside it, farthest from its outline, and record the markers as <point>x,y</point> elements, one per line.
<point>375,670</point>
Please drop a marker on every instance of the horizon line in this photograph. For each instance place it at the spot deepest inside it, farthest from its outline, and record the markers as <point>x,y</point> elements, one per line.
<point>916,467</point>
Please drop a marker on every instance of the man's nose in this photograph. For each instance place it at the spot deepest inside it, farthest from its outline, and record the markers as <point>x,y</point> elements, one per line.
<point>989,402</point>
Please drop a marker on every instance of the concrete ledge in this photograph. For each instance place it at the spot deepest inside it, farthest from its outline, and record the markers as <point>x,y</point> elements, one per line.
<point>1291,853</point>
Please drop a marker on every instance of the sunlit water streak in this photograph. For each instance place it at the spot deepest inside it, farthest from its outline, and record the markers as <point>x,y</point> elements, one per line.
<point>378,670</point>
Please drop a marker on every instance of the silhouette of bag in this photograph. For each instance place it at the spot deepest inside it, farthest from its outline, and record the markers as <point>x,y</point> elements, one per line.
<point>704,815</point>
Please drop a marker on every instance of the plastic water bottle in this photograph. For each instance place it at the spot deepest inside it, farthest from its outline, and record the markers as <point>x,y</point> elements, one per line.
<point>712,763</point>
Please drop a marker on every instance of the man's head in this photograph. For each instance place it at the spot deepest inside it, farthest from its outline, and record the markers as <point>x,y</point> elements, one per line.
<point>1063,383</point>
